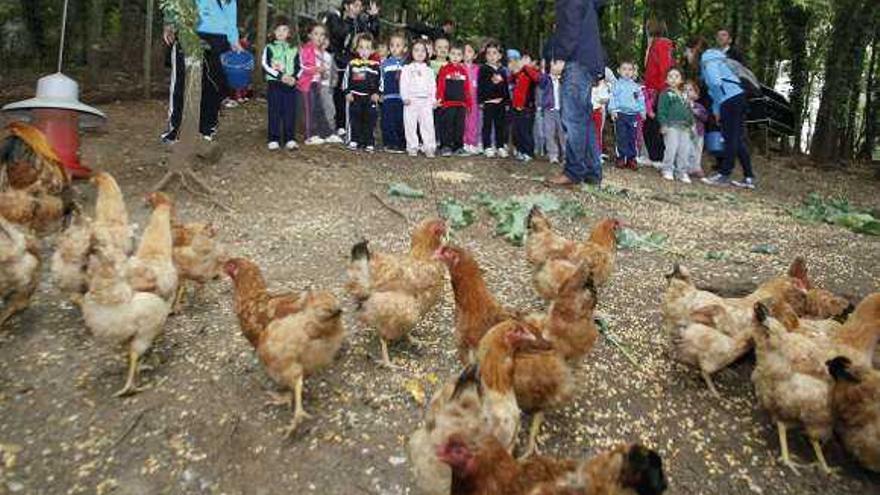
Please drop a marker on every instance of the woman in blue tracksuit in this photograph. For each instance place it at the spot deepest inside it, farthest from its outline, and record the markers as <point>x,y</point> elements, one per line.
<point>729,106</point>
<point>218,29</point>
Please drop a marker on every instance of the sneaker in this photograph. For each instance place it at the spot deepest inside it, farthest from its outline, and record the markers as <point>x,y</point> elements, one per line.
<point>462,152</point>
<point>717,180</point>
<point>340,132</point>
<point>632,164</point>
<point>430,154</point>
<point>314,140</point>
<point>490,152</point>
<point>413,153</point>
<point>554,160</point>
<point>274,146</point>
<point>621,163</point>
<point>445,152</point>
<point>502,153</point>
<point>667,175</point>
<point>230,103</point>
<point>747,183</point>
<point>524,158</point>
<point>291,145</point>
<point>333,139</point>
<point>168,137</point>
<point>353,146</point>
<point>208,137</point>
<point>684,179</point>
<point>394,151</point>
<point>370,149</point>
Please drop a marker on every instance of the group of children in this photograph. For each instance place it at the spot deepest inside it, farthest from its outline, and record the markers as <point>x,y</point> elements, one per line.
<point>437,98</point>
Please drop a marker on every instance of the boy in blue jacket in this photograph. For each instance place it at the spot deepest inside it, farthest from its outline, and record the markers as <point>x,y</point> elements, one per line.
<point>392,104</point>
<point>626,106</point>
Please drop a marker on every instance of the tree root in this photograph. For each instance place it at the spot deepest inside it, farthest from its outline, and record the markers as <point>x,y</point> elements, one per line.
<point>195,185</point>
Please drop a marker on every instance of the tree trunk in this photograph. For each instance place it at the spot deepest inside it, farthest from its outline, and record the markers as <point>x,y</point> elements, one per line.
<point>746,25</point>
<point>262,36</point>
<point>797,29</point>
<point>829,138</point>
<point>148,50</point>
<point>33,18</point>
<point>626,31</point>
<point>94,40</point>
<point>872,102</point>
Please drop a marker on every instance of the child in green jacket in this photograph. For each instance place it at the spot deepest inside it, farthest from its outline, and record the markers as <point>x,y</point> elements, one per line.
<point>676,120</point>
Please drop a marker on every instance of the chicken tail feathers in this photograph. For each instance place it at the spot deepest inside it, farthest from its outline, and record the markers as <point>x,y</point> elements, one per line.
<point>536,221</point>
<point>469,376</point>
<point>360,251</point>
<point>644,471</point>
<point>838,368</point>
<point>359,273</point>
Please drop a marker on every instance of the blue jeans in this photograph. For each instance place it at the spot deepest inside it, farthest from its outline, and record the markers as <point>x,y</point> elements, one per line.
<point>582,163</point>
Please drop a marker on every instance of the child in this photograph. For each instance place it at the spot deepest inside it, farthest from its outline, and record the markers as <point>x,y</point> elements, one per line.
<point>328,82</point>
<point>441,54</point>
<point>494,96</point>
<point>453,97</point>
<point>279,64</point>
<point>418,89</point>
<point>698,132</point>
<point>392,105</point>
<point>524,76</point>
<point>472,128</point>
<point>361,88</point>
<point>551,102</point>
<point>599,97</point>
<point>627,108</point>
<point>676,119</point>
<point>312,68</point>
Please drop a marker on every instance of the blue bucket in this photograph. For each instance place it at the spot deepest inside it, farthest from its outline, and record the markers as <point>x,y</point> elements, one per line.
<point>715,142</point>
<point>238,68</point>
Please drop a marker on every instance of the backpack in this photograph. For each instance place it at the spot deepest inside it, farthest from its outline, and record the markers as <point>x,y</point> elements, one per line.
<point>748,81</point>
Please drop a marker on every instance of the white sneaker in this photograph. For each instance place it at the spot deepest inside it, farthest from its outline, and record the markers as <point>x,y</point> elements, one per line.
<point>352,145</point>
<point>502,153</point>
<point>667,175</point>
<point>274,146</point>
<point>333,139</point>
<point>291,145</point>
<point>371,149</point>
<point>314,140</point>
<point>554,160</point>
<point>413,153</point>
<point>340,132</point>
<point>430,154</point>
<point>490,152</point>
<point>684,179</point>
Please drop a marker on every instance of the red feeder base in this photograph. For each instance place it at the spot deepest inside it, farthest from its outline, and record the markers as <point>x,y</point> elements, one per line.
<point>61,128</point>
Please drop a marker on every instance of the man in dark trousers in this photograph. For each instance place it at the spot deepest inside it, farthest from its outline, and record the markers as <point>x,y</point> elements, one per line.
<point>342,29</point>
<point>577,42</point>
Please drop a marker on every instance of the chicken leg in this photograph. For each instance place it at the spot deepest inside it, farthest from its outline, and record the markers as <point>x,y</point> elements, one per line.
<point>386,360</point>
<point>130,388</point>
<point>299,414</point>
<point>534,430</point>
<point>709,383</point>
<point>18,302</point>
<point>817,448</point>
<point>785,458</point>
<point>177,305</point>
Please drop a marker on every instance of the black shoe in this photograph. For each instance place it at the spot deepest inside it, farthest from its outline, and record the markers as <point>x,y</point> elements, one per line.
<point>445,152</point>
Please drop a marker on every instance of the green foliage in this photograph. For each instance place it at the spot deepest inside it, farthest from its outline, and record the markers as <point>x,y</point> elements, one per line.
<point>836,211</point>
<point>457,214</point>
<point>184,16</point>
<point>650,241</point>
<point>402,190</point>
<point>510,213</point>
<point>765,249</point>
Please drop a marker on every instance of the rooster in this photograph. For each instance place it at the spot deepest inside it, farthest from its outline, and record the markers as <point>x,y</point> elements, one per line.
<point>19,269</point>
<point>393,292</point>
<point>555,258</point>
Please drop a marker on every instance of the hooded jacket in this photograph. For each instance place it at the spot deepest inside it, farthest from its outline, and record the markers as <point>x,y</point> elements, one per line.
<point>722,83</point>
<point>627,98</point>
<point>218,17</point>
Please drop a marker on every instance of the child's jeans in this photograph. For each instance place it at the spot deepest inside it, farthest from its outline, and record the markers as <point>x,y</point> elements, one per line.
<point>626,130</point>
<point>473,126</point>
<point>362,115</point>
<point>554,134</point>
<point>494,118</point>
<point>392,124</point>
<point>677,155</point>
<point>282,112</point>
<point>523,139</point>
<point>418,118</point>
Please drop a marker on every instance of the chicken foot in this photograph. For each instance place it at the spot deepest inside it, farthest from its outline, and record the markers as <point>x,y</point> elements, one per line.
<point>534,430</point>
<point>386,360</point>
<point>785,458</point>
<point>709,383</point>
<point>133,371</point>
<point>177,304</point>
<point>299,413</point>
<point>820,457</point>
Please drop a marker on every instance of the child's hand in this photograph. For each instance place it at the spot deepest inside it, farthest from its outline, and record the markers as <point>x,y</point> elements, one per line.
<point>407,102</point>
<point>557,65</point>
<point>375,98</point>
<point>663,130</point>
<point>349,97</point>
<point>527,60</point>
<point>288,80</point>
<point>614,116</point>
<point>437,104</point>
<point>278,66</point>
<point>497,79</point>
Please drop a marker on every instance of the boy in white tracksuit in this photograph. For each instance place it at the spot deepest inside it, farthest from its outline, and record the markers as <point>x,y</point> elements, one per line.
<point>418,90</point>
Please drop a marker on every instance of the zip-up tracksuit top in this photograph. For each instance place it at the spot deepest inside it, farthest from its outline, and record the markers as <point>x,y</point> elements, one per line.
<point>391,68</point>
<point>627,98</point>
<point>488,90</point>
<point>453,85</point>
<point>524,83</point>
<point>417,82</point>
<point>218,17</point>
<point>674,110</point>
<point>280,52</point>
<point>362,78</point>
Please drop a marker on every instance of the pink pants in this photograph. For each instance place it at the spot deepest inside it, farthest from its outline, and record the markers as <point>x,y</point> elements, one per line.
<point>418,119</point>
<point>599,126</point>
<point>473,126</point>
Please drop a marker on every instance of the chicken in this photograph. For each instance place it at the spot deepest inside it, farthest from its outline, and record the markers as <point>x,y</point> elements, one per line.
<point>481,465</point>
<point>294,335</point>
<point>198,255</point>
<point>19,269</point>
<point>151,269</point>
<point>476,309</point>
<point>710,332</point>
<point>855,401</point>
<point>792,383</point>
<point>71,258</point>
<point>858,337</point>
<point>555,259</point>
<point>821,304</point>
<point>110,227</point>
<point>117,314</point>
<point>34,187</point>
<point>393,292</point>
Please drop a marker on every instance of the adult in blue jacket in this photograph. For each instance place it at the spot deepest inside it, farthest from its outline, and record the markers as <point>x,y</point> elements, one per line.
<point>218,28</point>
<point>729,107</point>
<point>577,42</point>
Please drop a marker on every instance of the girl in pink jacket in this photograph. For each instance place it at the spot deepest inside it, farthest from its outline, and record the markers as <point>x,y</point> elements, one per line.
<point>312,67</point>
<point>418,89</point>
<point>473,125</point>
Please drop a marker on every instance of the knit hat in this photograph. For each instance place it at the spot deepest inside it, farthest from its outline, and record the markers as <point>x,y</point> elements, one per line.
<point>513,54</point>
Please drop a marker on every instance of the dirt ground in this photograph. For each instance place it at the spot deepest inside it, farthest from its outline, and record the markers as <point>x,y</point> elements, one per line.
<point>202,426</point>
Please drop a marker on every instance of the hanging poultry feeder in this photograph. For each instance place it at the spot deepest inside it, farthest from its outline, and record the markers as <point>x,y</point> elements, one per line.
<point>58,113</point>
